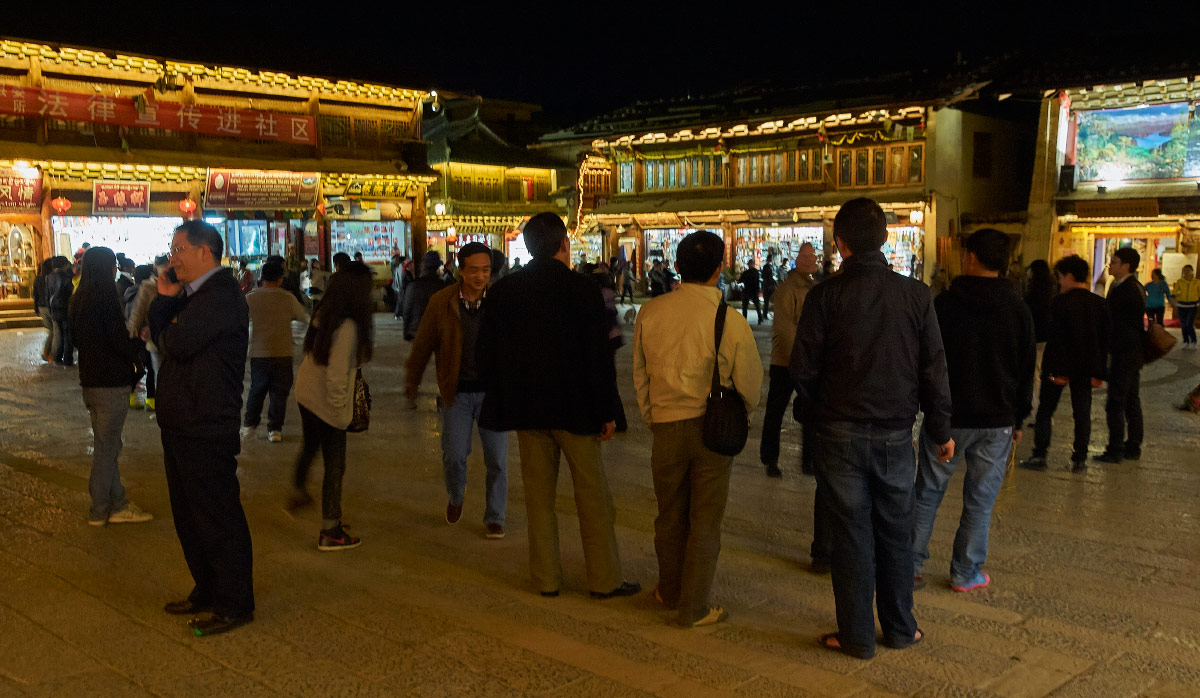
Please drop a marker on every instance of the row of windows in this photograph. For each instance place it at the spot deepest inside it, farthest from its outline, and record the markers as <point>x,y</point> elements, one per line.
<point>488,188</point>
<point>879,166</point>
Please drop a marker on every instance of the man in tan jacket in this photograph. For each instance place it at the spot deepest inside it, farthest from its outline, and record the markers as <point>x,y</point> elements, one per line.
<point>789,299</point>
<point>450,330</point>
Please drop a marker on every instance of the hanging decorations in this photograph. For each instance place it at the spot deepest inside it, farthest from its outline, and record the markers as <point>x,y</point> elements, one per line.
<point>187,206</point>
<point>60,204</point>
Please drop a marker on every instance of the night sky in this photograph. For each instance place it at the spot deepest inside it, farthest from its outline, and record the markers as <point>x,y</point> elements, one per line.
<point>582,59</point>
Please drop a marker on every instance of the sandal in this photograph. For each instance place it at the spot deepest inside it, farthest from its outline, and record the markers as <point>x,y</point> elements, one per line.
<point>716,614</point>
<point>904,645</point>
<point>831,641</point>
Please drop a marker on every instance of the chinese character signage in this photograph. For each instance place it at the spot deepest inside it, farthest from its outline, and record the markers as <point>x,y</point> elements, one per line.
<point>20,190</point>
<point>261,189</point>
<point>380,188</point>
<point>660,219</point>
<point>120,198</point>
<point>140,112</point>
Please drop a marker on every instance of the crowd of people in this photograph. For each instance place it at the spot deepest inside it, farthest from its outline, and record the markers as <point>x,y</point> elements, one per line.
<point>966,357</point>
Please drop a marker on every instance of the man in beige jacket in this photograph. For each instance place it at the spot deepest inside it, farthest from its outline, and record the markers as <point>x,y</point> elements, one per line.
<point>789,299</point>
<point>674,349</point>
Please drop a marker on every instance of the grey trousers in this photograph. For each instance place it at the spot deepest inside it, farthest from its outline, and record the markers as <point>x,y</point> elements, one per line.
<point>691,484</point>
<point>540,451</point>
<point>108,408</point>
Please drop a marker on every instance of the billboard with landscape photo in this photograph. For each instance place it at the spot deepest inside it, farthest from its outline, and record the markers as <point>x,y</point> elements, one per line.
<point>1146,142</point>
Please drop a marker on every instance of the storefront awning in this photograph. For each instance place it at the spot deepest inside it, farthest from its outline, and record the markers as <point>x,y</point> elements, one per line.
<point>758,202</point>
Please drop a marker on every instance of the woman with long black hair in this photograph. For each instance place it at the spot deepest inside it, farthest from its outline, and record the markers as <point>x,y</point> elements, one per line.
<point>107,364</point>
<point>338,342</point>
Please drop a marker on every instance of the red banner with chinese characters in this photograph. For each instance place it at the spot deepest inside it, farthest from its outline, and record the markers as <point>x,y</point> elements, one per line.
<point>263,190</point>
<point>20,191</point>
<point>185,118</point>
<point>120,198</point>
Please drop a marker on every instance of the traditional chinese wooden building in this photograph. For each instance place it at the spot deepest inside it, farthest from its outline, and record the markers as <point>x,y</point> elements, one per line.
<point>769,168</point>
<point>113,148</point>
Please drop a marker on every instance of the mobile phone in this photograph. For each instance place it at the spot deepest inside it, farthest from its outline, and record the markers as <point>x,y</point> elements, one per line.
<point>171,276</point>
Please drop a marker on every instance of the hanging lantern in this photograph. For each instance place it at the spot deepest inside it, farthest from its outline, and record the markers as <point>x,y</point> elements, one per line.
<point>60,204</point>
<point>187,206</point>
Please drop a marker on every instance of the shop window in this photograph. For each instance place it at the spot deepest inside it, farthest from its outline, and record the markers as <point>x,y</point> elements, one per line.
<point>803,164</point>
<point>742,169</point>
<point>916,163</point>
<point>879,167</point>
<point>625,181</point>
<point>845,165</point>
<point>671,175</point>
<point>705,172</point>
<point>790,166</point>
<point>718,171</point>
<point>754,169</point>
<point>896,165</point>
<point>861,168</point>
<point>778,167</point>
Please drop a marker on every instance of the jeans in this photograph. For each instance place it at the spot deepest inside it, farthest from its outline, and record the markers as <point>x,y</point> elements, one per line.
<point>867,474</point>
<point>746,299</point>
<point>457,422</point>
<point>48,345</point>
<point>331,442</point>
<point>1124,406</point>
<point>691,484</point>
<point>540,453</point>
<point>209,520</point>
<point>985,452</point>
<point>779,394</point>
<point>64,351</point>
<point>1187,323</point>
<point>268,375</point>
<point>107,407</point>
<point>1081,410</point>
<point>1156,314</point>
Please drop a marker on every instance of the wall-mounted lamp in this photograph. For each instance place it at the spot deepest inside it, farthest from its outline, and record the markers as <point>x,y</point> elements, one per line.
<point>916,216</point>
<point>1101,189</point>
<point>439,209</point>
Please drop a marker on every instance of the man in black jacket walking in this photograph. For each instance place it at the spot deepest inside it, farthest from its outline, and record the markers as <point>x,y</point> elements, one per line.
<point>551,378</point>
<point>1075,355</point>
<point>1126,307</point>
<point>868,354</point>
<point>751,282</point>
<point>201,327</point>
<point>988,335</point>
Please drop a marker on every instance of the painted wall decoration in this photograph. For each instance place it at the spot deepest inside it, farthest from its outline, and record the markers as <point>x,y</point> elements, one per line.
<point>1144,142</point>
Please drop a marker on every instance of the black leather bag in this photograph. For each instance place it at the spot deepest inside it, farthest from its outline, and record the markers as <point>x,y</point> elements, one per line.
<point>726,424</point>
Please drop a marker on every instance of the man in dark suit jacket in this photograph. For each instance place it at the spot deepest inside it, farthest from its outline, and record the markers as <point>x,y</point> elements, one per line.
<point>201,326</point>
<point>1126,308</point>
<point>550,377</point>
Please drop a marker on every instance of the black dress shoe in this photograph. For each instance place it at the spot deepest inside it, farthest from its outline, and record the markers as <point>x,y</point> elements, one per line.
<point>626,589</point>
<point>187,607</point>
<point>1108,457</point>
<point>773,470</point>
<point>550,594</point>
<point>217,624</point>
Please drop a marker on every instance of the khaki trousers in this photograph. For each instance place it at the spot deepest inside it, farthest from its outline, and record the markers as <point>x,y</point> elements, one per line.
<point>540,450</point>
<point>691,484</point>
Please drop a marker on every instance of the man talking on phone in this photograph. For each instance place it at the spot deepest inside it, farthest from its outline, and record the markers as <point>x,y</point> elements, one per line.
<point>200,323</point>
<point>868,355</point>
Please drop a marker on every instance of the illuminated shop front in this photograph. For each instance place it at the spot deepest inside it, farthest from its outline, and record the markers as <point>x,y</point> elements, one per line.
<point>781,242</point>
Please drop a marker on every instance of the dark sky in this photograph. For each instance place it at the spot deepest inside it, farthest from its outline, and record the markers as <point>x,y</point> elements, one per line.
<point>577,59</point>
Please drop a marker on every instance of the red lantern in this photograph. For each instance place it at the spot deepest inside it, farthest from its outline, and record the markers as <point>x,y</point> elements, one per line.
<point>187,206</point>
<point>60,204</point>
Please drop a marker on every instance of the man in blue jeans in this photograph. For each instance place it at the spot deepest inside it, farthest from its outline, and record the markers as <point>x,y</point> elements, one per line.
<point>450,329</point>
<point>987,332</point>
<point>867,355</point>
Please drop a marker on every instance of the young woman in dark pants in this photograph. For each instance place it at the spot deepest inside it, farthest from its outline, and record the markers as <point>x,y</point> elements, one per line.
<point>338,342</point>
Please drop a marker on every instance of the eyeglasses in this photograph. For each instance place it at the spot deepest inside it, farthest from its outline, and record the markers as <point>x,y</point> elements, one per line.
<point>180,248</point>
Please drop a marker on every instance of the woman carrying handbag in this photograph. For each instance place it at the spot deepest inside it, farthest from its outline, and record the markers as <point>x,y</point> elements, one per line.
<point>338,342</point>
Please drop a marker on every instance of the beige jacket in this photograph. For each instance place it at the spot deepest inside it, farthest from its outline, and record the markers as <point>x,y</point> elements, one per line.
<point>789,299</point>
<point>673,352</point>
<point>328,391</point>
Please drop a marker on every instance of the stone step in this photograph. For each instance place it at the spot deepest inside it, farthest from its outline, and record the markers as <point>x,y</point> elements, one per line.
<point>21,322</point>
<point>9,314</point>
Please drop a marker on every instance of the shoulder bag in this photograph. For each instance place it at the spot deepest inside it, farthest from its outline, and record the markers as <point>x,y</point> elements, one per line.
<point>362,405</point>
<point>726,424</point>
<point>1156,341</point>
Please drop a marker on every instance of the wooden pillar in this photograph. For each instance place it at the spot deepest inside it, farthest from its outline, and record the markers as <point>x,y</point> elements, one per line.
<point>419,243</point>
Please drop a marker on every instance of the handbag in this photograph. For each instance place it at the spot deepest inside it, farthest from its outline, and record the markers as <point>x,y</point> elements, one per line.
<point>1156,342</point>
<point>362,405</point>
<point>726,424</point>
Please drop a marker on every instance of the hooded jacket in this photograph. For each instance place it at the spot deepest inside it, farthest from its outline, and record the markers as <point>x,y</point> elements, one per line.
<point>991,349</point>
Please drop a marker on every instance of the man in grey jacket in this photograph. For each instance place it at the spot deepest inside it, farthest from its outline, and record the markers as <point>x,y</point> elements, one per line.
<point>273,309</point>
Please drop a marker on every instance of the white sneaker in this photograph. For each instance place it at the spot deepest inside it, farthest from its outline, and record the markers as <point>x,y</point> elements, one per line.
<point>248,432</point>
<point>130,514</point>
<point>275,436</point>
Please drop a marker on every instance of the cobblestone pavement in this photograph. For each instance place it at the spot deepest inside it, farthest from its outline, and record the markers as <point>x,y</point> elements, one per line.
<point>1096,587</point>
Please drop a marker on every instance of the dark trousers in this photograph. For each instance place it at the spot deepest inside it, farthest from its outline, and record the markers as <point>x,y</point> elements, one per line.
<point>203,486</point>
<point>331,442</point>
<point>626,288</point>
<point>747,299</point>
<point>691,484</point>
<point>780,389</point>
<point>866,474</point>
<point>1124,407</point>
<point>767,300</point>
<point>1081,412</point>
<point>64,351</point>
<point>1187,323</point>
<point>268,375</point>
<point>1156,314</point>
<point>151,374</point>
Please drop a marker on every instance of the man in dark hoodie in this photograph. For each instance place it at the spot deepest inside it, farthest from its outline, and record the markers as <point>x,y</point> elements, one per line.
<point>988,335</point>
<point>1076,354</point>
<point>201,324</point>
<point>418,293</point>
